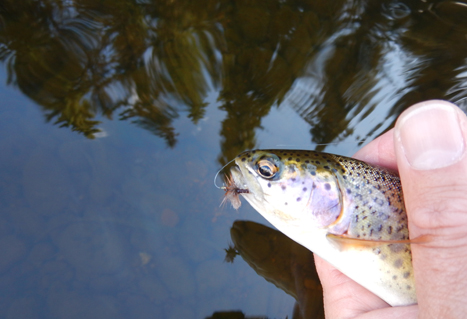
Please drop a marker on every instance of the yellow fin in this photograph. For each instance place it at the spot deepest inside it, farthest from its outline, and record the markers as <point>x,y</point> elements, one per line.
<point>344,240</point>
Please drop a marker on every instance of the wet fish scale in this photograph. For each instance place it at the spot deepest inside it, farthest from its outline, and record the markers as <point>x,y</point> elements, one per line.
<point>380,215</point>
<point>308,195</point>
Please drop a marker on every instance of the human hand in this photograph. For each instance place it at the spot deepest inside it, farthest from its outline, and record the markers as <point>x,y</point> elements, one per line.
<point>428,148</point>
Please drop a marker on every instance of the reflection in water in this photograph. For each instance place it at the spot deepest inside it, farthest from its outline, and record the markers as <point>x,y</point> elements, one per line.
<point>125,223</point>
<point>230,254</point>
<point>348,68</point>
<point>283,262</point>
<point>81,59</point>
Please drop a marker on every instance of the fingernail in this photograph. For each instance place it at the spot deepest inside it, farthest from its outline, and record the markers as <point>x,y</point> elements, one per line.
<point>430,135</point>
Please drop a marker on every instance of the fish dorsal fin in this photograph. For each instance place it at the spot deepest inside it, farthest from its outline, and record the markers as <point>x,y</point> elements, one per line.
<point>347,241</point>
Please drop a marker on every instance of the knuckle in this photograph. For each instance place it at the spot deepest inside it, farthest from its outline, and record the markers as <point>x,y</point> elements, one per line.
<point>440,209</point>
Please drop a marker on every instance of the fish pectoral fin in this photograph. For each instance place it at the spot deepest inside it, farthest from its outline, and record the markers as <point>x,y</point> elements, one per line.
<point>344,241</point>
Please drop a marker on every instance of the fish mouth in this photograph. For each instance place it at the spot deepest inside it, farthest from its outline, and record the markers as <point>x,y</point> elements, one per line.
<point>237,181</point>
<point>245,183</point>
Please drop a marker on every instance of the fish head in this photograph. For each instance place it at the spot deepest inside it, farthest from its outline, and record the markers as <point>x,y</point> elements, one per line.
<point>288,188</point>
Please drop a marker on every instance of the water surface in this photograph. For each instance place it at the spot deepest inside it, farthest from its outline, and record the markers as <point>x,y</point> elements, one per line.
<point>116,115</point>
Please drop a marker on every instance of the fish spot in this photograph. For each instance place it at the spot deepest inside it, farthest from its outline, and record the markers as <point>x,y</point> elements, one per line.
<point>378,201</point>
<point>307,161</point>
<point>398,263</point>
<point>408,287</point>
<point>397,248</point>
<point>326,167</point>
<point>299,199</point>
<point>406,274</point>
<point>269,184</point>
<point>327,186</point>
<point>304,189</point>
<point>290,158</point>
<point>394,277</point>
<point>297,159</point>
<point>389,230</point>
<point>243,159</point>
<point>313,173</point>
<point>283,187</point>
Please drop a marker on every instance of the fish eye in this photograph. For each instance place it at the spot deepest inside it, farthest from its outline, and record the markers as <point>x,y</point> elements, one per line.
<point>266,168</point>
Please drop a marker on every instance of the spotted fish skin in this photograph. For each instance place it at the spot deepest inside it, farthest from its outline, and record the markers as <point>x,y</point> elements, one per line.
<point>308,195</point>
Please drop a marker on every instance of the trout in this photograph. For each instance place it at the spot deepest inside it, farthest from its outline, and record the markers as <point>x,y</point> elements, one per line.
<point>348,212</point>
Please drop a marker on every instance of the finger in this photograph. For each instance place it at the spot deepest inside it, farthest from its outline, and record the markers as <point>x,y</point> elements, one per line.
<point>430,147</point>
<point>380,151</point>
<point>408,312</point>
<point>343,297</point>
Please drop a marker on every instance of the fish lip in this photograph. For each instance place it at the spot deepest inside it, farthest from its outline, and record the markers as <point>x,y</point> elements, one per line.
<point>238,179</point>
<point>239,182</point>
<point>244,180</point>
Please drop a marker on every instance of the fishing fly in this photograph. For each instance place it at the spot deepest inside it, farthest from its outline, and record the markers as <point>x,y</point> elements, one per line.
<point>231,188</point>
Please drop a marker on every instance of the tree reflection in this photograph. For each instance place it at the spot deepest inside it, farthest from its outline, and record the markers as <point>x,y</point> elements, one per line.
<point>84,59</point>
<point>268,45</point>
<point>148,62</point>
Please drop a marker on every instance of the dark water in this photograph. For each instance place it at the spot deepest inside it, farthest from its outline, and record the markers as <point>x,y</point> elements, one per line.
<point>116,115</point>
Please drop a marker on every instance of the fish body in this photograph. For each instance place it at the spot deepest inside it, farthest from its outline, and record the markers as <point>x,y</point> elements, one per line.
<point>315,198</point>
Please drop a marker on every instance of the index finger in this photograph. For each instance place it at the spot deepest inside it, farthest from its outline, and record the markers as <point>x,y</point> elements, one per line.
<point>380,151</point>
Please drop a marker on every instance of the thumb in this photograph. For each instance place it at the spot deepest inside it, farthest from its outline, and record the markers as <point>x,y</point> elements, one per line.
<point>430,143</point>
